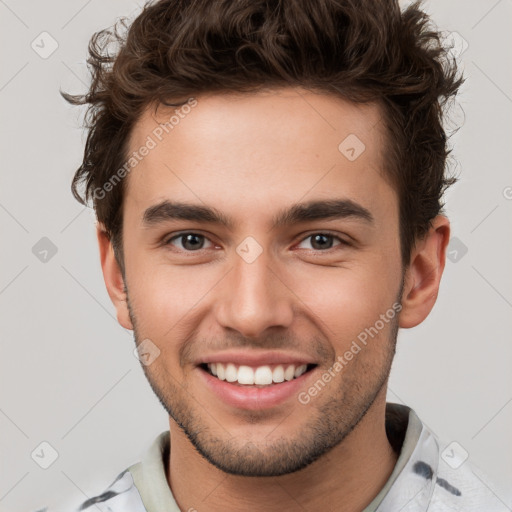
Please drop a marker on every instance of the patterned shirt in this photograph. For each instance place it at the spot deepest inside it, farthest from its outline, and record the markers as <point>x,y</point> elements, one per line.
<point>423,480</point>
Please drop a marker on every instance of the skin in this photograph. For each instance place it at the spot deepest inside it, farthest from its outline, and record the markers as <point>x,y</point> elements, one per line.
<point>250,156</point>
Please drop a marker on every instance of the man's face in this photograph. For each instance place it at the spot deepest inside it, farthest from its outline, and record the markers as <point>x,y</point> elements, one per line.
<point>259,295</point>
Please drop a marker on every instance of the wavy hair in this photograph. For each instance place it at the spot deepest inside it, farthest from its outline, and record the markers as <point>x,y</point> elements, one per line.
<point>360,50</point>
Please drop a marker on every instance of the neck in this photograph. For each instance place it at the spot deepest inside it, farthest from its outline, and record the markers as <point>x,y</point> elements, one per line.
<point>350,475</point>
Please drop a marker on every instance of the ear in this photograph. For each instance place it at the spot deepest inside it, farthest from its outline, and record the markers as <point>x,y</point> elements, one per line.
<point>423,276</point>
<point>113,277</point>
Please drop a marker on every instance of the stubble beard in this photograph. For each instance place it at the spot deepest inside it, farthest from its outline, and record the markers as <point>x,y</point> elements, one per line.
<point>330,419</point>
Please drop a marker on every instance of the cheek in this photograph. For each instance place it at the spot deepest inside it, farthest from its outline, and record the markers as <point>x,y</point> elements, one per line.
<point>163,296</point>
<point>348,301</point>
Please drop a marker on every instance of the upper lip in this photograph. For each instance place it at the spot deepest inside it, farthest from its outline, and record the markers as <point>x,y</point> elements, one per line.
<point>256,358</point>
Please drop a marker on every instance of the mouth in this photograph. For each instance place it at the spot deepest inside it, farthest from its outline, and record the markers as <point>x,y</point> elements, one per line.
<point>262,376</point>
<point>255,379</point>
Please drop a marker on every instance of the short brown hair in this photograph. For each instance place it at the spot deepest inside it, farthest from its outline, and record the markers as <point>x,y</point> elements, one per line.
<point>360,50</point>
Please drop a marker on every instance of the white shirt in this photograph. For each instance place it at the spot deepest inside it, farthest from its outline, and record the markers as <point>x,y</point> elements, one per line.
<point>423,480</point>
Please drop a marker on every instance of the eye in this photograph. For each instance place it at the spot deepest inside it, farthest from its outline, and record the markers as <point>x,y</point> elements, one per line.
<point>323,241</point>
<point>189,242</point>
<point>195,242</point>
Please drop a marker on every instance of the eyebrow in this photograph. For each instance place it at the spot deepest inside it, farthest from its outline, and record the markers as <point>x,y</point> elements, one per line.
<point>298,213</point>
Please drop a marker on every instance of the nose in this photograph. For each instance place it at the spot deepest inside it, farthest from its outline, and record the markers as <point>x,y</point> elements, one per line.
<point>253,298</point>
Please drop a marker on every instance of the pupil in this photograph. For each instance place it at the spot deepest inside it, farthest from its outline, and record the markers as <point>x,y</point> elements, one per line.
<point>321,237</point>
<point>189,239</point>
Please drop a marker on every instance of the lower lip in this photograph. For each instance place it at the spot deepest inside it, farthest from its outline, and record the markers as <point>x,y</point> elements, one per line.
<point>252,397</point>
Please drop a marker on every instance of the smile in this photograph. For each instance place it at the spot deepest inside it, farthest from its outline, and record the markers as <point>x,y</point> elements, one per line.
<point>265,375</point>
<point>256,383</point>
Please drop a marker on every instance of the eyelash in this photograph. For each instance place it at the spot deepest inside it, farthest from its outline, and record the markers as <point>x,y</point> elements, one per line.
<point>343,242</point>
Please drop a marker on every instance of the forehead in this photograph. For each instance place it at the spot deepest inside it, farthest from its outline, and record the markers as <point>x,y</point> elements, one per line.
<point>252,153</point>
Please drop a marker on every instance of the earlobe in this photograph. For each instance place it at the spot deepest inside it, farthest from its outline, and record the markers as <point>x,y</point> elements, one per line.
<point>423,275</point>
<point>113,277</point>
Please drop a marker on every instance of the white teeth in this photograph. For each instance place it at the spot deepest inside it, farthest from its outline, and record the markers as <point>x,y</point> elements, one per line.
<point>231,373</point>
<point>260,376</point>
<point>278,374</point>
<point>245,375</point>
<point>300,370</point>
<point>289,373</point>
<point>221,373</point>
<point>263,375</point>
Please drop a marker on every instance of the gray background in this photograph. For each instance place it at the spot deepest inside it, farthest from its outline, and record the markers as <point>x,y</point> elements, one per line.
<point>68,374</point>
